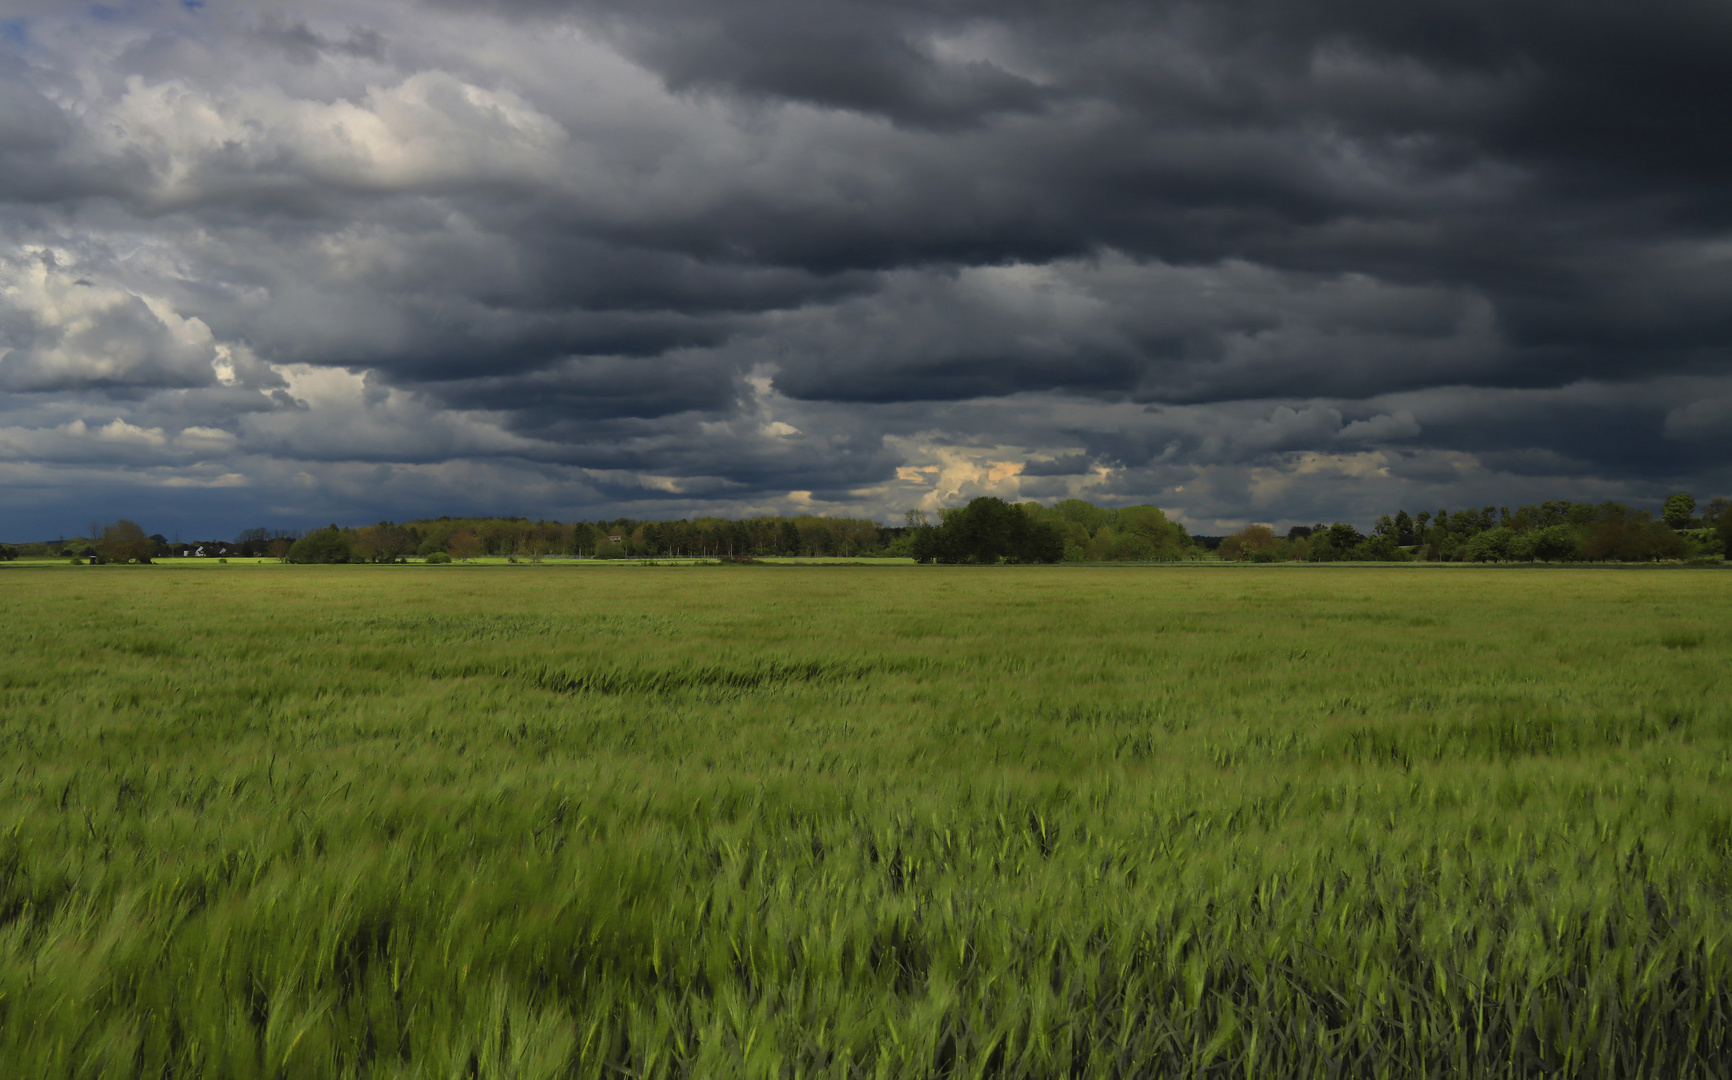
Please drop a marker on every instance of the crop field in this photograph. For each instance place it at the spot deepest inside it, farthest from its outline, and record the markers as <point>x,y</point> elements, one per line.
<point>862,821</point>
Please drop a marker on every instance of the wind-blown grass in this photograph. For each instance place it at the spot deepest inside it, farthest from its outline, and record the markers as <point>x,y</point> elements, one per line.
<point>899,822</point>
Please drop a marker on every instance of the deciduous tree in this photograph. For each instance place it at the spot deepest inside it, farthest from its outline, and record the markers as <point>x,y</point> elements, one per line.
<point>1722,519</point>
<point>125,541</point>
<point>1254,543</point>
<point>383,542</point>
<point>464,545</point>
<point>990,530</point>
<point>321,546</point>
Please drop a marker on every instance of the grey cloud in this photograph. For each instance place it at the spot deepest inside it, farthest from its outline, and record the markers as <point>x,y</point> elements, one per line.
<point>1381,427</point>
<point>1148,332</point>
<point>1705,421</point>
<point>302,45</point>
<point>32,132</point>
<point>580,392</point>
<point>1064,465</point>
<point>861,64</point>
<point>878,60</point>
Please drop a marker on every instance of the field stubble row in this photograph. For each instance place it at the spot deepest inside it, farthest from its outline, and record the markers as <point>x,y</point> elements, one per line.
<point>865,822</point>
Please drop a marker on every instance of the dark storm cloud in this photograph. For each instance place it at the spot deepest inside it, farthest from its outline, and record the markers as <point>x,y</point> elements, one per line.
<point>844,56</point>
<point>1527,154</point>
<point>1228,256</point>
<point>857,63</point>
<point>579,393</point>
<point>1113,328</point>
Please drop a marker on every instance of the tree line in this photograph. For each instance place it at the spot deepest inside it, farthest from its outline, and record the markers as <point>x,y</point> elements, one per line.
<point>987,530</point>
<point>466,538</point>
<point>1553,531</point>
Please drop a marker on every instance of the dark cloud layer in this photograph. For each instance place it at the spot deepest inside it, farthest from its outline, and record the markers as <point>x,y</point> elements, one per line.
<point>1248,260</point>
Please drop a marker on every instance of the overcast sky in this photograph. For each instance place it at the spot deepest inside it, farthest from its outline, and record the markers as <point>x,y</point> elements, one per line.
<point>1272,260</point>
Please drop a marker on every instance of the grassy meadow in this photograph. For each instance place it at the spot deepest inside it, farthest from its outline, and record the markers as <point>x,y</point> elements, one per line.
<point>860,821</point>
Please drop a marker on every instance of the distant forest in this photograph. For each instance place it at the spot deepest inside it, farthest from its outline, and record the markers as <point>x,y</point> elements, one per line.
<point>1545,532</point>
<point>987,530</point>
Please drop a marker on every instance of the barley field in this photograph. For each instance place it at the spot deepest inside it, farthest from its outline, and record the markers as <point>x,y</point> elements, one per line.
<point>789,822</point>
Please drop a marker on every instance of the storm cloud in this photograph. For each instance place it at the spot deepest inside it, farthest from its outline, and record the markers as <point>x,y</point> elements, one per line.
<point>1250,261</point>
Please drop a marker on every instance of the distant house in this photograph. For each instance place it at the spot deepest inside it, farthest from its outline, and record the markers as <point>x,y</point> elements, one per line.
<point>616,539</point>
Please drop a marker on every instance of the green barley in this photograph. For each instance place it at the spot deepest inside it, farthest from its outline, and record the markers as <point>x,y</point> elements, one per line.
<point>856,822</point>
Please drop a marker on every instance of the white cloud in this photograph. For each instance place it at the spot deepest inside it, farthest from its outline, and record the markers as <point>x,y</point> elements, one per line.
<point>428,129</point>
<point>223,480</point>
<point>62,326</point>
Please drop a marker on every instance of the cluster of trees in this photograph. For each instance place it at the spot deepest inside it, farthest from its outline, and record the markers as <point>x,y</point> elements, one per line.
<point>714,537</point>
<point>254,543</point>
<point>120,541</point>
<point>990,530</point>
<point>1128,534</point>
<point>986,530</point>
<point>1555,531</point>
<point>621,538</point>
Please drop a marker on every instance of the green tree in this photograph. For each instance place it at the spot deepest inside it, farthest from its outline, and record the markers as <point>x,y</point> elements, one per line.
<point>1492,545</point>
<point>1404,531</point>
<point>990,530</point>
<point>1249,543</point>
<point>1380,548</point>
<point>923,543</point>
<point>383,543</point>
<point>125,541</point>
<point>321,546</point>
<point>1335,543</point>
<point>1631,538</point>
<point>1082,512</point>
<point>1153,535</point>
<point>1556,543</point>
<point>1679,509</point>
<point>1721,517</point>
<point>464,544</point>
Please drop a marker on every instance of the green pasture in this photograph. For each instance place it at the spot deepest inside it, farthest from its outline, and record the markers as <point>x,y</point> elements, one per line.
<point>865,821</point>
